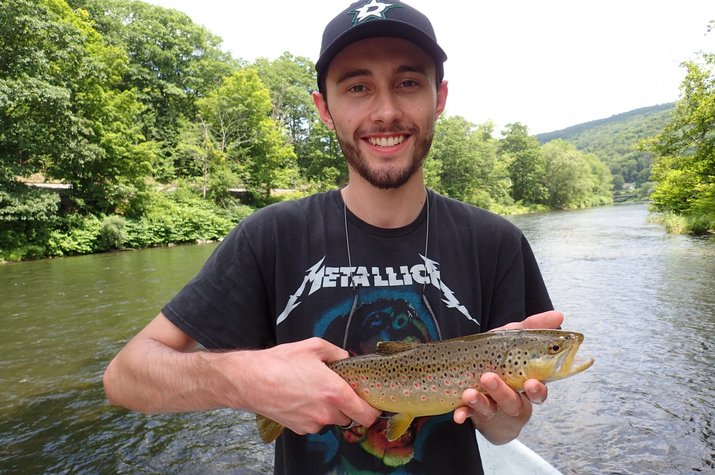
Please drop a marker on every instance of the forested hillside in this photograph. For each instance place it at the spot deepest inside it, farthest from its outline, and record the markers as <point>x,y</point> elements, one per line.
<point>615,140</point>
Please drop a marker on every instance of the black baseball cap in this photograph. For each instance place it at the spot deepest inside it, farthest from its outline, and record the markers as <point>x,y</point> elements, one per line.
<point>373,18</point>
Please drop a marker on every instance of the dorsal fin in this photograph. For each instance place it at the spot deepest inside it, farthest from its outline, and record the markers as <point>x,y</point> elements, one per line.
<point>391,347</point>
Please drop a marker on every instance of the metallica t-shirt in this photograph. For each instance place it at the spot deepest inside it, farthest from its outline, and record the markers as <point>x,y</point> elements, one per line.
<point>310,267</point>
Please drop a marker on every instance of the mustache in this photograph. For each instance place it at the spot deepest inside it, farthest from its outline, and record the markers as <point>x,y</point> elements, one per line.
<point>394,129</point>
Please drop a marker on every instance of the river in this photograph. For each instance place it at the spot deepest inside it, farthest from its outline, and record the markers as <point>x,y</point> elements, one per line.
<point>644,299</point>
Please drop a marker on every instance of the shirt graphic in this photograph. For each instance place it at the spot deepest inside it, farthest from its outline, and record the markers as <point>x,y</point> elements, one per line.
<point>390,307</point>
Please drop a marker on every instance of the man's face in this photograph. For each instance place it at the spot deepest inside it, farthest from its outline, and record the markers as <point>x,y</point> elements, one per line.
<point>383,102</point>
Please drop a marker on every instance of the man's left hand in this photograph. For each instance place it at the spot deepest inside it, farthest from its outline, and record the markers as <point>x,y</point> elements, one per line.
<point>501,412</point>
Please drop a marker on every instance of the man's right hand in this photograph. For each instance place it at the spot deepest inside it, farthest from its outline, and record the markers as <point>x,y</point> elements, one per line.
<point>292,385</point>
<point>157,371</point>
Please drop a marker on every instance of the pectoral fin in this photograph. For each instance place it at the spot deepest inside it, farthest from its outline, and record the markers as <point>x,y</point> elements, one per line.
<point>268,430</point>
<point>397,425</point>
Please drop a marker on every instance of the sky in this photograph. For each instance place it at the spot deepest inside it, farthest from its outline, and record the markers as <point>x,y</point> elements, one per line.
<point>547,64</point>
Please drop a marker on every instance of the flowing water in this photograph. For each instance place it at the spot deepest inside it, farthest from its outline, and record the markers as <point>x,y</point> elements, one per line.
<point>645,301</point>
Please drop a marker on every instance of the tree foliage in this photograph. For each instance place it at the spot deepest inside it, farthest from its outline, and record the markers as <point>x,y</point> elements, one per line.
<point>242,133</point>
<point>526,164</point>
<point>684,166</point>
<point>62,110</point>
<point>173,62</point>
<point>574,179</point>
<point>151,127</point>
<point>469,168</point>
<point>291,81</point>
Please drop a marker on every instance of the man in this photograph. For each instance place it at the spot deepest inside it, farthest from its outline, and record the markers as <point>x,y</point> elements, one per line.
<point>302,283</point>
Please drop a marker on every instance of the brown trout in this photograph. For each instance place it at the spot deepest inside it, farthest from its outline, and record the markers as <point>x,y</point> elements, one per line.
<point>426,379</point>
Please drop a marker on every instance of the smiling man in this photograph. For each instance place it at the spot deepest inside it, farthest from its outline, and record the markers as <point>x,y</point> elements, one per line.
<point>305,282</point>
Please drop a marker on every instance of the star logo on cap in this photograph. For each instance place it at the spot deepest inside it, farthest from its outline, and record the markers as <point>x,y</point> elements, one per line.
<point>371,10</point>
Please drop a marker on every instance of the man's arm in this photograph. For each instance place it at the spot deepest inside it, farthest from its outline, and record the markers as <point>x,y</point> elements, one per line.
<point>159,371</point>
<point>501,414</point>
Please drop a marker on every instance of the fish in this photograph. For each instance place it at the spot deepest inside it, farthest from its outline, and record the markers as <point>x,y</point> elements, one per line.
<point>412,379</point>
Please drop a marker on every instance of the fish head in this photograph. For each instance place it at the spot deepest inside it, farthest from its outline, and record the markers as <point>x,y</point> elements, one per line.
<point>544,355</point>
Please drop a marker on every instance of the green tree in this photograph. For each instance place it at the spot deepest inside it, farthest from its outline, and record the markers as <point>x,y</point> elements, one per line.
<point>526,164</point>
<point>575,179</point>
<point>602,182</point>
<point>172,63</point>
<point>199,155</point>
<point>62,110</point>
<point>323,163</point>
<point>468,167</point>
<point>566,175</point>
<point>240,128</point>
<point>615,140</point>
<point>684,161</point>
<point>291,81</point>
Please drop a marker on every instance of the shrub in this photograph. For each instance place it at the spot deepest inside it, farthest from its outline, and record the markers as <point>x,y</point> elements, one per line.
<point>112,233</point>
<point>77,235</point>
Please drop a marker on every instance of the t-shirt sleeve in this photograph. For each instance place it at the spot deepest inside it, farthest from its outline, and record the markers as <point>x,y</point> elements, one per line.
<point>225,306</point>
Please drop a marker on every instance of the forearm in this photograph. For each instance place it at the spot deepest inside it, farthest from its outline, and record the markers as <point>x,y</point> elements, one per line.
<point>151,377</point>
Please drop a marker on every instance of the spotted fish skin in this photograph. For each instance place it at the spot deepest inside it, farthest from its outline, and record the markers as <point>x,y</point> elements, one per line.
<point>429,378</point>
<point>422,379</point>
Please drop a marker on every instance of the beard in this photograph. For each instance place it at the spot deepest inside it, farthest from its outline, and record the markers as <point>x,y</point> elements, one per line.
<point>386,178</point>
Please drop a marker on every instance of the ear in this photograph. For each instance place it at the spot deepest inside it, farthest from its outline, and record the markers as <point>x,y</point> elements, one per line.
<point>442,91</point>
<point>322,105</point>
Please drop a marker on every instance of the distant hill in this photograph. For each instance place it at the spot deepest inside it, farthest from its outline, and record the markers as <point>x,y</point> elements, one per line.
<point>614,139</point>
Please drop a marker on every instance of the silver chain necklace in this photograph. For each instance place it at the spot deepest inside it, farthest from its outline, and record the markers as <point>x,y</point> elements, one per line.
<point>353,285</point>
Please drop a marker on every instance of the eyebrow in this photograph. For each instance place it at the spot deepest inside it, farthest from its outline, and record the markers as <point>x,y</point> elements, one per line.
<point>353,73</point>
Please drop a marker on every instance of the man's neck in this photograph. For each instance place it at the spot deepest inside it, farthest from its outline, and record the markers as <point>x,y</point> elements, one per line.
<point>391,208</point>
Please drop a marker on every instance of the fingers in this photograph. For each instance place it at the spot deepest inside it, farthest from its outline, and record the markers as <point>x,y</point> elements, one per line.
<point>478,404</point>
<point>508,401</point>
<point>357,409</point>
<point>536,391</point>
<point>500,400</point>
<point>551,319</point>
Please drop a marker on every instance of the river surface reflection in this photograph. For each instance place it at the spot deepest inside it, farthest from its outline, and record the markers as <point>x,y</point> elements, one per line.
<point>645,301</point>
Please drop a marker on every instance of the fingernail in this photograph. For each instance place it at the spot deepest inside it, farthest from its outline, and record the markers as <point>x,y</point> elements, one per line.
<point>491,384</point>
<point>534,397</point>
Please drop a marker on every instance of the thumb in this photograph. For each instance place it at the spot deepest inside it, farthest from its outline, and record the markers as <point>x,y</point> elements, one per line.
<point>551,319</point>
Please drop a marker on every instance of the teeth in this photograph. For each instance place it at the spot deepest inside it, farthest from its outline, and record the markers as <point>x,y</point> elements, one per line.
<point>386,141</point>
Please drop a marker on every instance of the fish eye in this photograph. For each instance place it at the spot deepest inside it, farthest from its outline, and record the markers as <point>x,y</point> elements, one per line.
<point>554,348</point>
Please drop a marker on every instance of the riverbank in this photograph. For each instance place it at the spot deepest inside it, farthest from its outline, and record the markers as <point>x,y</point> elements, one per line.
<point>182,217</point>
<point>179,217</point>
<point>697,224</point>
<point>172,216</point>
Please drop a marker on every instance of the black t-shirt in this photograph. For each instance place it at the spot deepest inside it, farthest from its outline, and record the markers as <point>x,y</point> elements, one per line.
<point>285,273</point>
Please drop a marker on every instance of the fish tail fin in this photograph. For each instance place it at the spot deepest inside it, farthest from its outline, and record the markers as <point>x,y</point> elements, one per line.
<point>397,425</point>
<point>268,429</point>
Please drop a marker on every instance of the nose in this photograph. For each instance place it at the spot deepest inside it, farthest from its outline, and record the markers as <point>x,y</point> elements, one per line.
<point>387,109</point>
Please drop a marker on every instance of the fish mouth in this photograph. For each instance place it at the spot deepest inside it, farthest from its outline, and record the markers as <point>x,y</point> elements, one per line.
<point>568,364</point>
